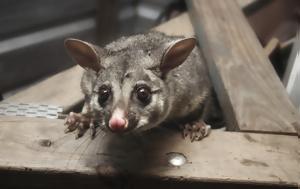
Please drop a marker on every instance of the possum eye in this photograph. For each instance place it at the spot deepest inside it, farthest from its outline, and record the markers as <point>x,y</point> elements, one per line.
<point>104,93</point>
<point>143,94</point>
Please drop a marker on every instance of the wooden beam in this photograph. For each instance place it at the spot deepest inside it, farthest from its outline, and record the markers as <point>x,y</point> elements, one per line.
<point>272,47</point>
<point>62,89</point>
<point>39,146</point>
<point>32,56</point>
<point>180,25</point>
<point>246,84</point>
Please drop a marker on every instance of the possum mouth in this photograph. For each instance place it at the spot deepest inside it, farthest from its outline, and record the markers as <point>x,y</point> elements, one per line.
<point>131,124</point>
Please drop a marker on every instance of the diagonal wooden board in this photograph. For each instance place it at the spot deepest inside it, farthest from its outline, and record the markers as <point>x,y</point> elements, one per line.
<point>246,84</point>
<point>221,157</point>
<point>63,89</point>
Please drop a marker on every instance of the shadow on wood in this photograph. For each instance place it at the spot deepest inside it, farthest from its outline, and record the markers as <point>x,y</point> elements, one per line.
<point>39,147</point>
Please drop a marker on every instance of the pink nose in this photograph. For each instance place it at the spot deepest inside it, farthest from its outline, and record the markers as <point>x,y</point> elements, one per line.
<point>117,124</point>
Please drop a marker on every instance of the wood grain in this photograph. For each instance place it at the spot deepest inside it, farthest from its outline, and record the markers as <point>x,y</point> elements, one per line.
<point>30,57</point>
<point>62,89</point>
<point>251,95</point>
<point>180,25</point>
<point>221,157</point>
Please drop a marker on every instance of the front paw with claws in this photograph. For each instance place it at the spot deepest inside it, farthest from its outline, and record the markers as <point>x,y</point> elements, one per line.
<point>77,121</point>
<point>196,130</point>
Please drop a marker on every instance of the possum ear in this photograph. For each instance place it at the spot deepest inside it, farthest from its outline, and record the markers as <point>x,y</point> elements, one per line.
<point>83,53</point>
<point>176,53</point>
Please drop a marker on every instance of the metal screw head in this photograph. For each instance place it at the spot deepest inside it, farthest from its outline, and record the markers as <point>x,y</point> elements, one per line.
<point>176,159</point>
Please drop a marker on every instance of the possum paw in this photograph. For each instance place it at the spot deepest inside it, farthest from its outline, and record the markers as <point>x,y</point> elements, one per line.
<point>77,121</point>
<point>196,130</point>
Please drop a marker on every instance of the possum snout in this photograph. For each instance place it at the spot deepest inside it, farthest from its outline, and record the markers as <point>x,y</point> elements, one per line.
<point>118,124</point>
<point>118,121</point>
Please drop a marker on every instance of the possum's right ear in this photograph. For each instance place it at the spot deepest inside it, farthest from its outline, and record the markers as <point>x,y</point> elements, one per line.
<point>83,53</point>
<point>176,53</point>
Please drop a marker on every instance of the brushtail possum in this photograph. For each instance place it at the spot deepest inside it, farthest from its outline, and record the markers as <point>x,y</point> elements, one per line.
<point>139,82</point>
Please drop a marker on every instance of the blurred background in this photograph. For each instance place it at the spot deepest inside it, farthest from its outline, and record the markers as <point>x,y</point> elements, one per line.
<point>32,31</point>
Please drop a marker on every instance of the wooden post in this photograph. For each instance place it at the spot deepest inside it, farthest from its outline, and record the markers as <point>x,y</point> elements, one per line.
<point>250,93</point>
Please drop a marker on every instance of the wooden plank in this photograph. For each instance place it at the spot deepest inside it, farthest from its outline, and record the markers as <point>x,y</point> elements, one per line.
<point>63,89</point>
<point>255,159</point>
<point>32,56</point>
<point>180,25</point>
<point>272,46</point>
<point>248,89</point>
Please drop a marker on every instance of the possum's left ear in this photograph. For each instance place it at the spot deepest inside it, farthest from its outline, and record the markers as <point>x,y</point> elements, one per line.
<point>176,53</point>
<point>83,53</point>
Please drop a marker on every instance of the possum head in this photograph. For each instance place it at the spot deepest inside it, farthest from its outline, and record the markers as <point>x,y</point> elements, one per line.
<point>130,89</point>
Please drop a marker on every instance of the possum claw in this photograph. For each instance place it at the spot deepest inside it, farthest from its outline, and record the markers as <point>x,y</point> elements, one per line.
<point>93,129</point>
<point>71,122</point>
<point>77,121</point>
<point>196,131</point>
<point>185,130</point>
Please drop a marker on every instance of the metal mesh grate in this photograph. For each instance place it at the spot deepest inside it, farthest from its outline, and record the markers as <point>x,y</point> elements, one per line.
<point>30,110</point>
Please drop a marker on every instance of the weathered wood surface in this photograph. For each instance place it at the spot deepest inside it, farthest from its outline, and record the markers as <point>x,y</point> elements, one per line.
<point>221,157</point>
<point>62,89</point>
<point>180,25</point>
<point>246,84</point>
<point>32,56</point>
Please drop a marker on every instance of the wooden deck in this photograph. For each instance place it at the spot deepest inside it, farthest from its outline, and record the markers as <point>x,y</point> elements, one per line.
<point>36,152</point>
<point>39,145</point>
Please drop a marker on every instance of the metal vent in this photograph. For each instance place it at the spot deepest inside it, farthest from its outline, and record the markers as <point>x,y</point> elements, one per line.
<point>30,110</point>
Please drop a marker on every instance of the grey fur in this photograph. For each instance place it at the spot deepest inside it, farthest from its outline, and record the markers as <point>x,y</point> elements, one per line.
<point>181,95</point>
